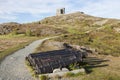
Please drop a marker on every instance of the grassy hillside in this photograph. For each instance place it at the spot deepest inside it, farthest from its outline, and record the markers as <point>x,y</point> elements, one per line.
<point>79,22</point>
<point>104,41</point>
<point>73,23</point>
<point>102,34</point>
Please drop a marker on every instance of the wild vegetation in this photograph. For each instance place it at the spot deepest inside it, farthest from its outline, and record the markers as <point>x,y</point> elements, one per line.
<point>103,41</point>
<point>32,29</point>
<point>100,34</point>
<point>15,36</point>
<point>101,72</point>
<point>98,67</point>
<point>11,43</point>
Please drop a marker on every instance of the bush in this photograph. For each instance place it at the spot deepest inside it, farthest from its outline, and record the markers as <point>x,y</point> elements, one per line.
<point>14,32</point>
<point>73,66</point>
<point>28,32</point>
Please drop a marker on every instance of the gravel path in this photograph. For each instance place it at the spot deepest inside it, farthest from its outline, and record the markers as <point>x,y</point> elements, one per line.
<point>13,67</point>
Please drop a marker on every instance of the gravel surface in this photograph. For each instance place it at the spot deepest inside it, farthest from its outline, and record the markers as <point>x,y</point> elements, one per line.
<point>13,67</point>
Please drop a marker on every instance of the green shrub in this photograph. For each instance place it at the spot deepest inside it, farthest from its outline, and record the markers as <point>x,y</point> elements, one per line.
<point>73,66</point>
<point>14,32</point>
<point>28,32</point>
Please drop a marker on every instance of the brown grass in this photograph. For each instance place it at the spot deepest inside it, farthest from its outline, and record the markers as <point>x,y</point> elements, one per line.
<point>49,45</point>
<point>110,72</point>
<point>9,45</point>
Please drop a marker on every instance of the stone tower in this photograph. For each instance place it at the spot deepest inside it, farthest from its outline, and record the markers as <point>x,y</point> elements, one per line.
<point>60,11</point>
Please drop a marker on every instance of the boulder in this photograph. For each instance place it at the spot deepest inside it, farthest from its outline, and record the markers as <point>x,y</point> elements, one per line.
<point>59,70</point>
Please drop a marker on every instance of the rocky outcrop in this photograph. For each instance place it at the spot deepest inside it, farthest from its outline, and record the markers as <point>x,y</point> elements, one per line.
<point>35,29</point>
<point>6,28</point>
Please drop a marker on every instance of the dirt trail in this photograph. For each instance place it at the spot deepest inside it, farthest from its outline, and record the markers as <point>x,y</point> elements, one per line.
<point>13,67</point>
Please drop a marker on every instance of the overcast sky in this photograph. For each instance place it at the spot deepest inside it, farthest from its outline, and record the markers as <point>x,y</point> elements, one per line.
<point>33,10</point>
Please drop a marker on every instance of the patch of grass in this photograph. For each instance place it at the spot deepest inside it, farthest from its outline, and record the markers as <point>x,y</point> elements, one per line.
<point>101,75</point>
<point>48,45</point>
<point>57,77</point>
<point>79,74</point>
<point>28,32</point>
<point>32,71</point>
<point>11,36</point>
<point>105,41</point>
<point>43,77</point>
<point>29,67</point>
<point>11,50</point>
<point>69,74</point>
<point>74,66</point>
<point>73,30</point>
<point>12,43</point>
